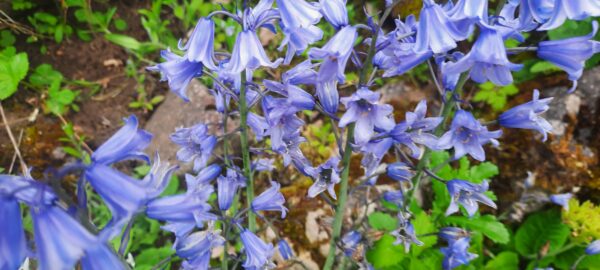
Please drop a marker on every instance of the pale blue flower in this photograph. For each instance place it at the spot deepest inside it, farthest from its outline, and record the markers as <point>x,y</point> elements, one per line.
<point>325,177</point>
<point>562,199</point>
<point>468,195</point>
<point>335,12</point>
<point>527,116</point>
<point>196,145</point>
<point>178,71</point>
<point>363,108</point>
<point>467,136</point>
<point>200,46</point>
<point>436,32</point>
<point>593,248</point>
<point>227,187</point>
<point>258,253</point>
<point>270,200</point>
<point>457,253</point>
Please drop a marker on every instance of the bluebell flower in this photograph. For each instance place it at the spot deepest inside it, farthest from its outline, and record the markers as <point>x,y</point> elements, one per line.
<point>436,32</point>
<point>259,125</point>
<point>527,116</point>
<point>350,241</point>
<point>468,195</point>
<point>196,247</point>
<point>12,239</point>
<point>298,19</point>
<point>593,248</point>
<point>451,234</point>
<point>562,199</point>
<point>270,200</point>
<point>227,186</point>
<point>570,54</point>
<point>258,253</point>
<point>363,108</point>
<point>261,15</point>
<point>292,154</point>
<point>285,250</point>
<point>467,135</point>
<point>474,10</point>
<point>487,60</point>
<point>248,53</point>
<point>335,54</point>
<point>415,129</point>
<point>200,46</point>
<point>178,71</point>
<point>328,95</point>
<point>196,145</point>
<point>405,234</point>
<point>554,14</point>
<point>399,171</point>
<point>263,165</point>
<point>128,142</point>
<point>395,196</point>
<point>295,97</point>
<point>101,257</point>
<point>60,240</point>
<point>373,153</point>
<point>325,177</point>
<point>335,12</point>
<point>457,253</point>
<point>205,176</point>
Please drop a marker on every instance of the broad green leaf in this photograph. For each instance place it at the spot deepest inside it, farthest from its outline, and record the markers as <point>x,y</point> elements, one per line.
<point>120,24</point>
<point>124,41</point>
<point>382,221</point>
<point>7,38</point>
<point>152,256</point>
<point>495,96</point>
<point>506,260</point>
<point>423,226</point>
<point>540,229</point>
<point>488,225</point>
<point>485,170</point>
<point>12,70</point>
<point>44,75</point>
<point>385,254</point>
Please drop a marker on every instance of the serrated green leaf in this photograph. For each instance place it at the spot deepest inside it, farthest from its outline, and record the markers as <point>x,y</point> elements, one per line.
<point>540,229</point>
<point>506,260</point>
<point>423,226</point>
<point>44,75</point>
<point>488,225</point>
<point>13,69</point>
<point>495,96</point>
<point>385,254</point>
<point>485,170</point>
<point>382,221</point>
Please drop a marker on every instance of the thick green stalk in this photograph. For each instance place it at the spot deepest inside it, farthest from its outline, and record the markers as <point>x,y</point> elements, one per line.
<point>343,196</point>
<point>246,153</point>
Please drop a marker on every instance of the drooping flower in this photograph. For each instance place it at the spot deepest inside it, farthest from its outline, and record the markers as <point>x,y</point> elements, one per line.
<point>487,59</point>
<point>593,248</point>
<point>329,96</point>
<point>415,129</point>
<point>178,71</point>
<point>474,10</point>
<point>325,177</point>
<point>298,19</point>
<point>467,135</point>
<point>258,253</point>
<point>350,241</point>
<point>248,53</point>
<point>270,200</point>
<point>396,197</point>
<point>405,235</point>
<point>200,46</point>
<point>285,250</point>
<point>196,145</point>
<point>335,12</point>
<point>227,186</point>
<point>13,245</point>
<point>562,199</point>
<point>282,121</point>
<point>457,253</point>
<point>363,108</point>
<point>373,153</point>
<point>296,99</point>
<point>436,32</point>
<point>468,195</point>
<point>205,176</point>
<point>263,165</point>
<point>451,234</point>
<point>335,54</point>
<point>554,13</point>
<point>127,142</point>
<point>570,54</point>
<point>196,247</point>
<point>399,171</point>
<point>527,116</point>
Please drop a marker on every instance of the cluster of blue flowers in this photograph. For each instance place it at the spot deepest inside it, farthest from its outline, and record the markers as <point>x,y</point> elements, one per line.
<point>271,109</point>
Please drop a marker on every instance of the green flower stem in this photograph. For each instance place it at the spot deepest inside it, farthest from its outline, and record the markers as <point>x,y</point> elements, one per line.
<point>246,153</point>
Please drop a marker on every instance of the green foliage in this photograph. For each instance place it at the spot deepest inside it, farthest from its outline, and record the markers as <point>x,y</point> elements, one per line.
<point>75,142</point>
<point>583,219</point>
<point>385,254</point>
<point>13,69</point>
<point>495,96</point>
<point>539,230</point>
<point>149,257</point>
<point>487,224</point>
<point>506,260</point>
<point>7,38</point>
<point>382,221</point>
<point>566,259</point>
<point>59,97</point>
<point>22,4</point>
<point>51,25</point>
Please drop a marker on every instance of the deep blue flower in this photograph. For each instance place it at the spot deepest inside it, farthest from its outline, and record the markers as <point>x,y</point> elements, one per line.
<point>196,247</point>
<point>270,200</point>
<point>325,177</point>
<point>298,19</point>
<point>474,10</point>
<point>227,186</point>
<point>593,248</point>
<point>335,12</point>
<point>328,95</point>
<point>13,245</point>
<point>451,234</point>
<point>399,171</point>
<point>248,53</point>
<point>562,199</point>
<point>200,46</point>
<point>282,121</point>
<point>554,13</point>
<point>395,196</point>
<point>487,59</point>
<point>405,235</point>
<point>527,116</point>
<point>178,71</point>
<point>350,241</point>
<point>415,129</point>
<point>363,108</point>
<point>196,145</point>
<point>127,142</point>
<point>258,253</point>
<point>436,32</point>
<point>467,135</point>
<point>285,250</point>
<point>467,194</point>
<point>101,257</point>
<point>570,54</point>
<point>457,253</point>
<point>335,54</point>
<point>373,153</point>
<point>205,176</point>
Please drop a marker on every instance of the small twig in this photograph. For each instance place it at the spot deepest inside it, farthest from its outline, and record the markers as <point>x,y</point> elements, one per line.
<point>12,140</point>
<point>14,158</point>
<point>87,147</point>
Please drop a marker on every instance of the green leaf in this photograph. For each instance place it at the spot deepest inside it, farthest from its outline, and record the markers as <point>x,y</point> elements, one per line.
<point>1,169</point>
<point>152,256</point>
<point>120,24</point>
<point>46,18</point>
<point>157,99</point>
<point>7,38</point>
<point>485,170</point>
<point>495,97</point>
<point>506,260</point>
<point>124,41</point>
<point>12,70</point>
<point>544,67</point>
<point>423,226</point>
<point>58,33</point>
<point>488,225</point>
<point>382,222</point>
<point>172,187</point>
<point>44,75</point>
<point>540,229</point>
<point>384,253</point>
